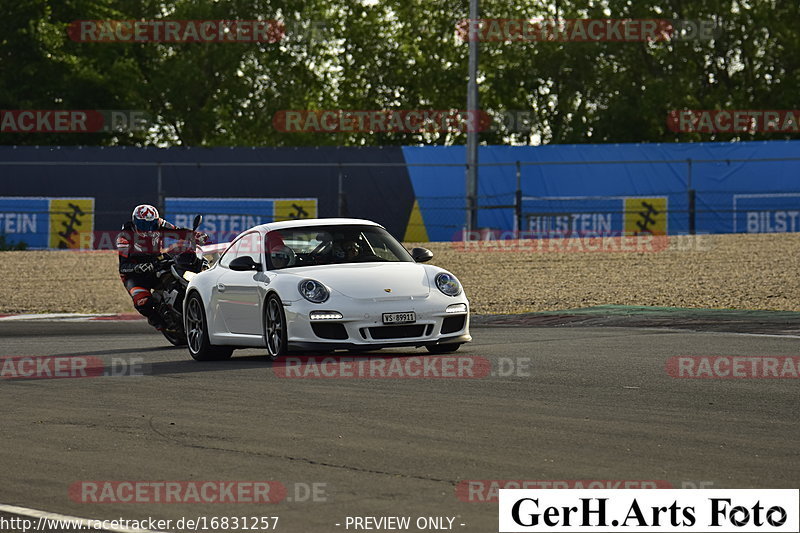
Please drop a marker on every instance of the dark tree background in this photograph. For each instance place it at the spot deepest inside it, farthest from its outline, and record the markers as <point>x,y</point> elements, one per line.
<point>395,54</point>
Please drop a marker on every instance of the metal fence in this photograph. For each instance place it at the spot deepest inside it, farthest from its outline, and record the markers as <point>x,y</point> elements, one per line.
<point>525,193</point>
<point>690,207</point>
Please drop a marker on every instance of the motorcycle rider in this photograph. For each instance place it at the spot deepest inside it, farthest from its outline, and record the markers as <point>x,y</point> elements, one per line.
<point>139,245</point>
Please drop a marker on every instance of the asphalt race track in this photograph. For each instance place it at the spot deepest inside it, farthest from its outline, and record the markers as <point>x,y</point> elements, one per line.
<point>580,403</point>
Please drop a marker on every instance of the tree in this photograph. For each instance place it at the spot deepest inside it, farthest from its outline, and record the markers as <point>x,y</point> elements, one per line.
<point>396,54</point>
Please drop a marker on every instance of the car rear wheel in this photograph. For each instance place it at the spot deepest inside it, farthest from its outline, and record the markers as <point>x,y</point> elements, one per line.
<point>443,348</point>
<point>275,335</point>
<point>200,348</point>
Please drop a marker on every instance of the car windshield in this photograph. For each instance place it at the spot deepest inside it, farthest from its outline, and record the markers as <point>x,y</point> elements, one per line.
<point>331,245</point>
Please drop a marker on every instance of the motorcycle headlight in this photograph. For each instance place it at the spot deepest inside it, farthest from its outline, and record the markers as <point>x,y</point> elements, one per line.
<point>313,291</point>
<point>448,284</point>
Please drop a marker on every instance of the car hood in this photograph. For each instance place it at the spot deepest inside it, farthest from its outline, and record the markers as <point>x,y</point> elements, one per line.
<point>371,281</point>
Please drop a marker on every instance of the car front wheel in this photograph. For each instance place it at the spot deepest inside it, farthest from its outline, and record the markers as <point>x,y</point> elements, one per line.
<point>275,335</point>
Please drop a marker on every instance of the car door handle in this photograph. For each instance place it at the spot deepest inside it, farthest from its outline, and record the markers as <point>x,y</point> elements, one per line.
<point>221,287</point>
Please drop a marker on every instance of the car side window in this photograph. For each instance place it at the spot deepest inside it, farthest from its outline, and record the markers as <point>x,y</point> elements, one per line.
<point>278,254</point>
<point>248,244</point>
<point>231,254</point>
<point>251,246</point>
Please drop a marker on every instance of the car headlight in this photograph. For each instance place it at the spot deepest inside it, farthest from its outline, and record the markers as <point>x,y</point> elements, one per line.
<point>313,291</point>
<point>448,284</point>
<point>189,275</point>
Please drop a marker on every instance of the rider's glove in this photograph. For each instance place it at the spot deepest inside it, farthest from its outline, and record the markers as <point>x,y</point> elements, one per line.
<point>201,237</point>
<point>143,268</point>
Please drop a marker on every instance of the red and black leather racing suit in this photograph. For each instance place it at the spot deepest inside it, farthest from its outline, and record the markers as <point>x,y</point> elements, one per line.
<point>136,251</point>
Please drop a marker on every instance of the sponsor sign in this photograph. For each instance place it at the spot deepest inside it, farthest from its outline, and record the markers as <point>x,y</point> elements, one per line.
<point>69,219</point>
<point>766,213</point>
<point>646,216</point>
<point>225,218</point>
<point>595,216</point>
<point>294,209</point>
<point>46,222</point>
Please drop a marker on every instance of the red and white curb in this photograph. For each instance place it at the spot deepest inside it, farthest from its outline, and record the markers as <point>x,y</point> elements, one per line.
<point>72,317</point>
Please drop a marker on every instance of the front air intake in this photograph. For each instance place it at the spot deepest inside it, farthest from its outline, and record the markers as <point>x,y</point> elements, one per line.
<point>397,332</point>
<point>329,330</point>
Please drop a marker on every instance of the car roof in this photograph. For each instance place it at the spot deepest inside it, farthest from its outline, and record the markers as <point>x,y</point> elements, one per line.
<point>304,222</point>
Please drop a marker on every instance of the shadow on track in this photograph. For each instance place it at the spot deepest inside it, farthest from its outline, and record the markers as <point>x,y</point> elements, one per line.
<point>259,362</point>
<point>120,351</point>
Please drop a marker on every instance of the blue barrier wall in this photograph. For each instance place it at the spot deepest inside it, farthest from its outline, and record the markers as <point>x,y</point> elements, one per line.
<point>721,173</point>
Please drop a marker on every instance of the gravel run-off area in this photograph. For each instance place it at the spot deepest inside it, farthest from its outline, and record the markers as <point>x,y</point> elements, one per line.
<point>709,271</point>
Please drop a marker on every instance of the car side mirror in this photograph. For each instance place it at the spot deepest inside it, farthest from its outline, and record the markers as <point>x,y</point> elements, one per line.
<point>198,219</point>
<point>420,255</point>
<point>244,263</point>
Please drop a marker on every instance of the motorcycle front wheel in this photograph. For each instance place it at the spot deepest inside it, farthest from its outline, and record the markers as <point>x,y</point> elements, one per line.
<point>176,338</point>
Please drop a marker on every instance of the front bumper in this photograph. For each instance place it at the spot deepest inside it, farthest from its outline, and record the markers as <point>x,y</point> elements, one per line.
<point>361,325</point>
<point>335,345</point>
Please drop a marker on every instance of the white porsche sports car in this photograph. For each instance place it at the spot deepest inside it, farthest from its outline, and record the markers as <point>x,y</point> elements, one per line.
<point>323,284</point>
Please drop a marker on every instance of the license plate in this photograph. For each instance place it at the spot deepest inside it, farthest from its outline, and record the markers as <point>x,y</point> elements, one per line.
<point>399,318</point>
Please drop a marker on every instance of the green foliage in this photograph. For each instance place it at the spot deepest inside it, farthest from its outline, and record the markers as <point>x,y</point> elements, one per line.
<point>395,54</point>
<point>6,246</point>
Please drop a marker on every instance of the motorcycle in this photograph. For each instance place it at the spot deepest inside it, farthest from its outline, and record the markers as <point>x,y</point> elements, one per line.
<point>174,269</point>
